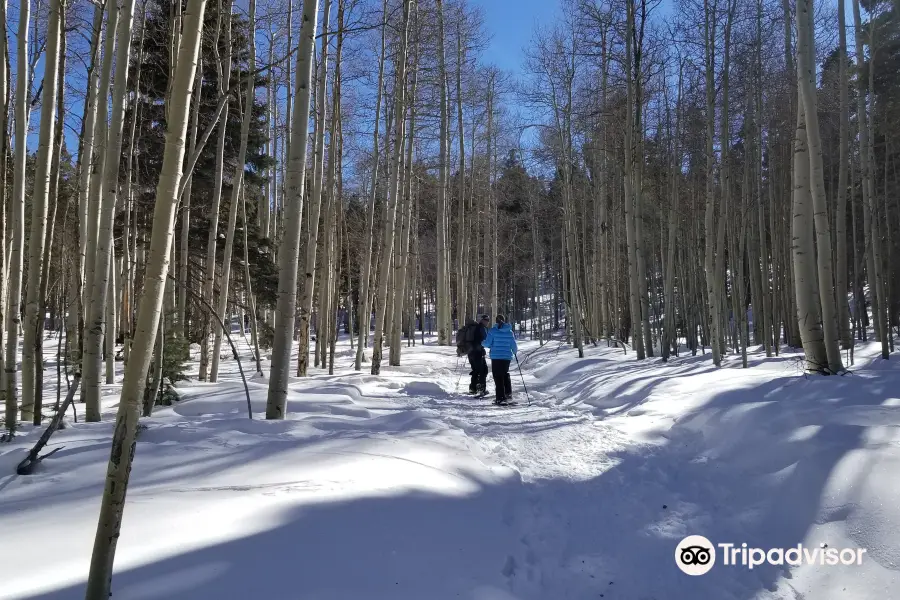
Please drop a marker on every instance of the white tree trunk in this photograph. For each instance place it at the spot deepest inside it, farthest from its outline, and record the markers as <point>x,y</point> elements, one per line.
<point>809,315</point>
<point>223,64</point>
<point>109,336</point>
<point>237,184</point>
<point>712,279</point>
<point>445,331</point>
<point>364,316</point>
<point>670,318</point>
<point>34,320</point>
<point>186,212</point>
<point>462,240</point>
<point>725,183</point>
<point>95,323</point>
<point>401,244</point>
<point>85,164</point>
<point>307,285</point>
<point>4,266</point>
<point>289,247</point>
<point>91,345</point>
<point>630,232</point>
<point>387,243</point>
<point>17,221</point>
<point>251,300</point>
<point>867,166</point>
<point>94,190</point>
<point>126,286</point>
<point>807,75</point>
<point>840,220</point>
<point>125,434</point>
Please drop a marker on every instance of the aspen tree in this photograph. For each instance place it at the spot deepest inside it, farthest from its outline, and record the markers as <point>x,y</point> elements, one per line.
<point>490,222</point>
<point>237,185</point>
<point>809,314</point>
<point>289,113</point>
<point>639,244</point>
<point>462,234</point>
<point>328,294</point>
<point>34,320</point>
<point>94,198</point>
<point>289,244</point>
<point>251,298</point>
<point>604,192</point>
<point>841,272</point>
<point>272,147</point>
<point>669,329</point>
<point>387,243</point>
<point>710,221</point>
<point>128,273</point>
<point>90,359</point>
<point>263,215</point>
<point>824,256</point>
<point>443,310</point>
<point>17,221</point>
<point>725,178</point>
<point>186,211</point>
<point>86,160</point>
<point>365,303</point>
<point>867,166</point>
<point>763,311</point>
<point>223,71</point>
<point>125,434</point>
<point>404,215</point>
<point>96,325</point>
<point>307,284</point>
<point>630,234</point>
<point>11,411</point>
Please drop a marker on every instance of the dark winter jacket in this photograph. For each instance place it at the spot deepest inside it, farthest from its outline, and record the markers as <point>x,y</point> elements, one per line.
<point>473,334</point>
<point>502,342</point>
<point>480,333</point>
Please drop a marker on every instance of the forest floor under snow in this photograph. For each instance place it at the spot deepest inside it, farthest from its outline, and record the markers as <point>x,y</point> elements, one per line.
<point>401,487</point>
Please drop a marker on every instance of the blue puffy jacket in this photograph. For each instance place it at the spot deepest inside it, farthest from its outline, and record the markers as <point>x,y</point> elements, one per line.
<point>502,342</point>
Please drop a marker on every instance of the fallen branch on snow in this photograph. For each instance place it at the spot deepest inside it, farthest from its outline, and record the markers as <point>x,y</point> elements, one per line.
<point>26,467</point>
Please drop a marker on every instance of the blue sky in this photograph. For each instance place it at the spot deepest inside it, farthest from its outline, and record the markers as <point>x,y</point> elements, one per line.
<point>511,24</point>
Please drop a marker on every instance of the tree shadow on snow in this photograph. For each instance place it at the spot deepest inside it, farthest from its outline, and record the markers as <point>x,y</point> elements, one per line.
<point>751,465</point>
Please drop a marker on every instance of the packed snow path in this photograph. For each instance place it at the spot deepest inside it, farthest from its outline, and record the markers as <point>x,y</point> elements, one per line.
<point>401,486</point>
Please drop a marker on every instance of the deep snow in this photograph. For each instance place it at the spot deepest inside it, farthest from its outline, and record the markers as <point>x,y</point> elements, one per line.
<point>401,487</point>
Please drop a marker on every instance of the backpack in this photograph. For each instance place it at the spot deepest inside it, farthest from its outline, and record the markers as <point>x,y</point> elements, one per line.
<point>465,338</point>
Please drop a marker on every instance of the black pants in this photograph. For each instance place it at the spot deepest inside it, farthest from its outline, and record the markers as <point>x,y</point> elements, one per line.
<point>479,370</point>
<point>502,382</point>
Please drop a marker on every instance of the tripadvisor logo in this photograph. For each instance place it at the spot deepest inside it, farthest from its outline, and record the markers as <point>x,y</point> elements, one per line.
<point>696,555</point>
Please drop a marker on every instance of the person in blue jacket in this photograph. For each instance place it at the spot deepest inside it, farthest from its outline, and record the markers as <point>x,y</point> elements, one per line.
<point>502,344</point>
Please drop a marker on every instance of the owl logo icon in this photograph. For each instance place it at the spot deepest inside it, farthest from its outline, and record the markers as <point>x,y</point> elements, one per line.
<point>695,555</point>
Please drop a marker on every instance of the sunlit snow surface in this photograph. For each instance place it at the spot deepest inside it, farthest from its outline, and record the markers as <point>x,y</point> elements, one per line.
<point>401,487</point>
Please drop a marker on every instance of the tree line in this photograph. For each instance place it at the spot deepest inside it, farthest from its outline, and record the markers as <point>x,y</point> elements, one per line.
<point>665,176</point>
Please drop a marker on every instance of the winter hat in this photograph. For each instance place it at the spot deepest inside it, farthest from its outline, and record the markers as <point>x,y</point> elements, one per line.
<point>501,320</point>
<point>484,318</point>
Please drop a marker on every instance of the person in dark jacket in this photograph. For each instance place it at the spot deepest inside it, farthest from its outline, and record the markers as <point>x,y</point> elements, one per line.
<point>475,336</point>
<point>502,344</point>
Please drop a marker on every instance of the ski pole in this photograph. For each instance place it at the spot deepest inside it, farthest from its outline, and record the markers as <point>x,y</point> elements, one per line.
<point>527,396</point>
<point>458,379</point>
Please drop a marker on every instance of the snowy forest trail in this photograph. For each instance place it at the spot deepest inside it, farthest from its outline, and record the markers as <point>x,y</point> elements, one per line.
<point>400,486</point>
